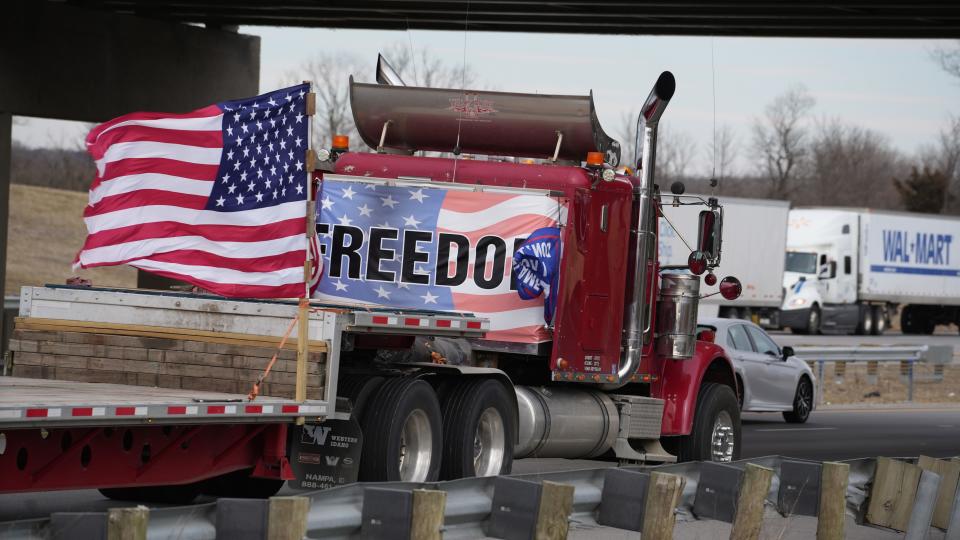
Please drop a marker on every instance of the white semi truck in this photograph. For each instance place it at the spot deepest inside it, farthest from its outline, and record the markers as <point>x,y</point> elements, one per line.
<point>756,231</point>
<point>848,270</point>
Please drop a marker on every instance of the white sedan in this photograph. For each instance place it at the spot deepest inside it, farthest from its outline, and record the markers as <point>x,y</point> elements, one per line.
<point>771,379</point>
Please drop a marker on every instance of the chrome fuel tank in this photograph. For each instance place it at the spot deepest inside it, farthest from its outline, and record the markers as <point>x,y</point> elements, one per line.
<point>677,315</point>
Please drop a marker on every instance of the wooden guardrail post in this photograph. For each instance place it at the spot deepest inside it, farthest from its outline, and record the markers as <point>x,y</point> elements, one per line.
<point>287,518</point>
<point>127,523</point>
<point>553,515</point>
<point>832,512</point>
<point>891,497</point>
<point>659,515</point>
<point>949,472</point>
<point>428,510</point>
<point>753,493</point>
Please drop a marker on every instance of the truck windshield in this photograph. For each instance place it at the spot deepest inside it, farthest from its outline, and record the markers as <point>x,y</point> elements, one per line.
<point>804,263</point>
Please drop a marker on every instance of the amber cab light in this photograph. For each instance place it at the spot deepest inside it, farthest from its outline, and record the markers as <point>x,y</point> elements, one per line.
<point>594,159</point>
<point>341,142</point>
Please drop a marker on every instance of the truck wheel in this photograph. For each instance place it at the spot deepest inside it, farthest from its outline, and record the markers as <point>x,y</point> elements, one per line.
<point>802,403</point>
<point>358,389</point>
<point>181,494</point>
<point>813,322</point>
<point>402,433</point>
<point>479,422</point>
<point>879,320</point>
<point>866,324</point>
<point>716,426</point>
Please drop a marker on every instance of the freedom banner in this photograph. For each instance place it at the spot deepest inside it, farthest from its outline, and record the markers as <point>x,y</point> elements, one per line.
<point>431,248</point>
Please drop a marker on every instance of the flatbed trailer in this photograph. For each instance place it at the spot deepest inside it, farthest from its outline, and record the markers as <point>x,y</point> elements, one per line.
<point>62,434</point>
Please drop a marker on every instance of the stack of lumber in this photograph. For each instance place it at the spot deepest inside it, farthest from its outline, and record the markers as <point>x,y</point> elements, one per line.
<point>160,356</point>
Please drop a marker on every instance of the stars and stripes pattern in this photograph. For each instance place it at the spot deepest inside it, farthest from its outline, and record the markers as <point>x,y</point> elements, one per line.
<point>500,221</point>
<point>214,197</point>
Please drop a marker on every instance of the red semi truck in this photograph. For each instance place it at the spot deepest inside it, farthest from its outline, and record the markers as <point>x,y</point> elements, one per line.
<point>409,394</point>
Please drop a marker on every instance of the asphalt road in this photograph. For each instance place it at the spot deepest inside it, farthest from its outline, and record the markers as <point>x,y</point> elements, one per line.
<point>830,434</point>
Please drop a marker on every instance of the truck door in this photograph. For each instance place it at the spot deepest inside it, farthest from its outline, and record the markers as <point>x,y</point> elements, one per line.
<point>837,271</point>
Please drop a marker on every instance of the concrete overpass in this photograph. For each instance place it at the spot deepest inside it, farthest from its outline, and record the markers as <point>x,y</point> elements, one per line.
<point>796,18</point>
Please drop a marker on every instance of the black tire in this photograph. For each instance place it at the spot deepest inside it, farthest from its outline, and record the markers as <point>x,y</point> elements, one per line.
<point>813,321</point>
<point>358,389</point>
<point>802,403</point>
<point>879,320</point>
<point>464,407</point>
<point>383,421</point>
<point>866,320</point>
<point>180,494</point>
<point>240,485</point>
<point>713,400</point>
<point>910,320</point>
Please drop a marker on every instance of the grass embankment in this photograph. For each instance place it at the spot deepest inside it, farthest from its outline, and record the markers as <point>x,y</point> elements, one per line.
<point>46,231</point>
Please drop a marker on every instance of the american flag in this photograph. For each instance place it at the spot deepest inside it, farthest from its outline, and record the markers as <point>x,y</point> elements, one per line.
<point>415,231</point>
<point>214,197</point>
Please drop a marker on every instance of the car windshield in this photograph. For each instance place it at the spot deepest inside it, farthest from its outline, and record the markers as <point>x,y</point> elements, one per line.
<point>802,262</point>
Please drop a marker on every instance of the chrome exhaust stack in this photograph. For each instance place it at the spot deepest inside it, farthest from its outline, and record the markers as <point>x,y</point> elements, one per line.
<point>637,313</point>
<point>386,74</point>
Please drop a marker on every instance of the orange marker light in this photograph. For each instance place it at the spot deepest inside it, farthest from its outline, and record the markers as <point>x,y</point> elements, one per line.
<point>341,142</point>
<point>595,159</point>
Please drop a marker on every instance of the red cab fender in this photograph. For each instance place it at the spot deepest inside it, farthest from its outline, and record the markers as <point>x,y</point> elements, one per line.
<point>680,381</point>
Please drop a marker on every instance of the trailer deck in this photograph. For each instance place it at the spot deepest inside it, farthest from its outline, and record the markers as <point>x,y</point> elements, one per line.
<point>51,403</point>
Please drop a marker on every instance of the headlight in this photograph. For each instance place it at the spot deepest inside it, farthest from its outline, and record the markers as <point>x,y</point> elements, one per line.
<point>797,302</point>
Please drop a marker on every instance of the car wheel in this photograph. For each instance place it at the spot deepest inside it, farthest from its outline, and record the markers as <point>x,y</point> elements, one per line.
<point>716,426</point>
<point>802,403</point>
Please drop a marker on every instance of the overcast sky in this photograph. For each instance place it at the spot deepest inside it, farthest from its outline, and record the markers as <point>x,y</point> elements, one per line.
<point>891,86</point>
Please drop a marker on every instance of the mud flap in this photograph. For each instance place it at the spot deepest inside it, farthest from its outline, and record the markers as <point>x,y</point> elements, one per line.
<point>326,454</point>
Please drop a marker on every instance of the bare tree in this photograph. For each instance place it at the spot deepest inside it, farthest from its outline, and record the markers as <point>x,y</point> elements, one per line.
<point>421,67</point>
<point>949,59</point>
<point>944,156</point>
<point>330,74</point>
<point>721,153</point>
<point>627,131</point>
<point>675,151</point>
<point>779,139</point>
<point>851,165</point>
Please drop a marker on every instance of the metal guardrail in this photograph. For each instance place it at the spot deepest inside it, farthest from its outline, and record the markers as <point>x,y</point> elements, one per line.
<point>907,356</point>
<point>471,504</point>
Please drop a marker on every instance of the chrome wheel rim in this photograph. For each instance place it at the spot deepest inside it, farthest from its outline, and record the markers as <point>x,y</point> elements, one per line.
<point>868,321</point>
<point>813,320</point>
<point>804,400</point>
<point>489,443</point>
<point>416,447</point>
<point>722,440</point>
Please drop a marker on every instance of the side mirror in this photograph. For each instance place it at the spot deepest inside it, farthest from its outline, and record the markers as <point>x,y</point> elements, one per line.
<point>709,235</point>
<point>787,352</point>
<point>828,271</point>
